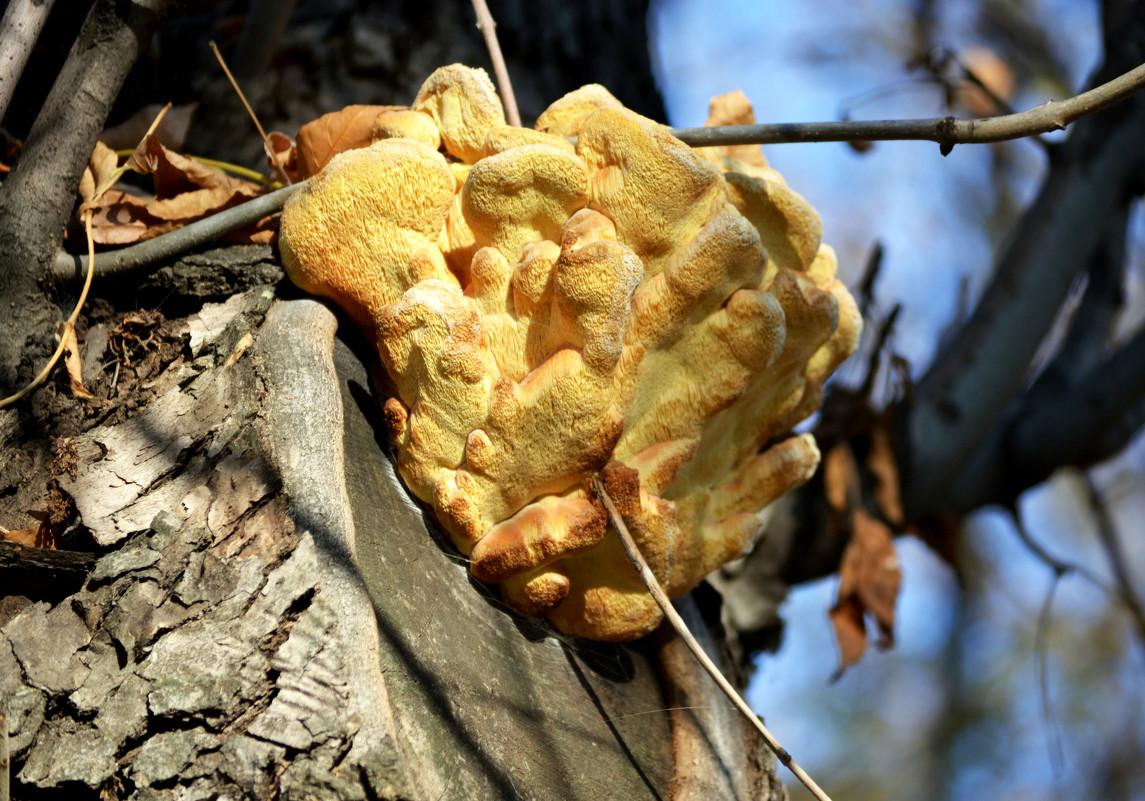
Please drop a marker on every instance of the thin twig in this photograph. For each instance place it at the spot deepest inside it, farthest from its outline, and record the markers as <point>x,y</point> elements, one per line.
<point>265,140</point>
<point>1041,652</point>
<point>71,322</point>
<point>488,29</point>
<point>68,267</point>
<point>682,629</point>
<point>1107,531</point>
<point>947,131</point>
<point>19,30</point>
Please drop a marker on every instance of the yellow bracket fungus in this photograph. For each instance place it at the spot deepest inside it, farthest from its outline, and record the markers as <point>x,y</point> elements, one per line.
<point>546,311</point>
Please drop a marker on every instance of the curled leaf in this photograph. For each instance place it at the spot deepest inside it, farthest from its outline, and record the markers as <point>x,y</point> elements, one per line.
<point>72,361</point>
<point>334,133</point>
<point>869,581</point>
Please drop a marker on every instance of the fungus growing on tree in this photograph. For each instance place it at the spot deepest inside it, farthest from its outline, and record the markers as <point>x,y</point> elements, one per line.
<point>627,306</point>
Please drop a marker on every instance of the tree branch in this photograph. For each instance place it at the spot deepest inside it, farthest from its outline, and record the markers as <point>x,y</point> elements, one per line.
<point>19,30</point>
<point>947,131</point>
<point>37,197</point>
<point>153,251</point>
<point>997,473</point>
<point>488,29</point>
<point>967,389</point>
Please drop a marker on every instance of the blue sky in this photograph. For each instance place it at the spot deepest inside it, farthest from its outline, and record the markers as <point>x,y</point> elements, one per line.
<point>799,62</point>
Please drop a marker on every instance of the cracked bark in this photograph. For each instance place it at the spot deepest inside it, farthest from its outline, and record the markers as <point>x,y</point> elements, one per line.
<point>271,615</point>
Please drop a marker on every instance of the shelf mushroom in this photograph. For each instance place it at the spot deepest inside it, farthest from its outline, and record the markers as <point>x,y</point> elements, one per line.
<point>548,311</point>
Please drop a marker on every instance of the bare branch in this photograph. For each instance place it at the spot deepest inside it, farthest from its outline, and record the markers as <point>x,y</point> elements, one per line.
<point>70,268</point>
<point>1118,563</point>
<point>681,628</point>
<point>19,30</point>
<point>947,131</point>
<point>969,386</point>
<point>488,29</point>
<point>1000,470</point>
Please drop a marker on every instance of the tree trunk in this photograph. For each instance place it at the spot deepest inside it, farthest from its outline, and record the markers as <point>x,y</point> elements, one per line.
<point>276,617</point>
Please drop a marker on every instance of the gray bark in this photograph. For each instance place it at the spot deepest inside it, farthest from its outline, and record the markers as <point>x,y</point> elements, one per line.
<point>37,198</point>
<point>273,615</point>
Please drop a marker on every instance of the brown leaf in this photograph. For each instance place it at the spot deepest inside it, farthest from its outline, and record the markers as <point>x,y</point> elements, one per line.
<point>869,581</point>
<point>72,361</point>
<point>841,479</point>
<point>99,175</point>
<point>734,108</point>
<point>41,536</point>
<point>123,219</point>
<point>994,73</point>
<point>282,153</point>
<point>176,175</point>
<point>322,139</point>
<point>172,130</point>
<point>850,633</point>
<point>881,462</point>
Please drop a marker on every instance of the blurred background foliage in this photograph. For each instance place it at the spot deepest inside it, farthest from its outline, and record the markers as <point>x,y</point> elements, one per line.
<point>1012,677</point>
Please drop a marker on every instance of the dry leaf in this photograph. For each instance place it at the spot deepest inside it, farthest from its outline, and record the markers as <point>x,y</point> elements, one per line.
<point>333,133</point>
<point>72,361</point>
<point>881,462</point>
<point>869,581</point>
<point>123,219</point>
<point>841,479</point>
<point>734,108</point>
<point>282,154</point>
<point>994,73</point>
<point>40,536</point>
<point>172,130</point>
<point>177,175</point>
<point>99,175</point>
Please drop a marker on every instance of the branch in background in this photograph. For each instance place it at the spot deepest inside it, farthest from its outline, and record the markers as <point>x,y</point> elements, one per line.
<point>946,131</point>
<point>681,628</point>
<point>71,268</point>
<point>967,389</point>
<point>1107,531</point>
<point>1071,428</point>
<point>19,30</point>
<point>488,29</point>
<point>998,472</point>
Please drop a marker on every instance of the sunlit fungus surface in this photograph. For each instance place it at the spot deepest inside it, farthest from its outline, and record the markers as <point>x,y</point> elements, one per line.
<point>591,296</point>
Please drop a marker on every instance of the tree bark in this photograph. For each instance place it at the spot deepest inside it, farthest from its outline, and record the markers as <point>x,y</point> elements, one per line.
<point>273,614</point>
<point>37,197</point>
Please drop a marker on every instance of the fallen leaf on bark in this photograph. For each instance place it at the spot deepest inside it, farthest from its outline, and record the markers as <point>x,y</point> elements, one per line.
<point>869,581</point>
<point>39,536</point>
<point>185,189</point>
<point>72,361</point>
<point>123,219</point>
<point>322,139</point>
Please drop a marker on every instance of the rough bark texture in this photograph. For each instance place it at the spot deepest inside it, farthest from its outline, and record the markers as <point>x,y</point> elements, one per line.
<point>272,616</point>
<point>37,198</point>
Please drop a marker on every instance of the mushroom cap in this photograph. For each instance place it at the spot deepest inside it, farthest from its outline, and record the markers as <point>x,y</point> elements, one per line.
<point>627,307</point>
<point>404,189</point>
<point>464,104</point>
